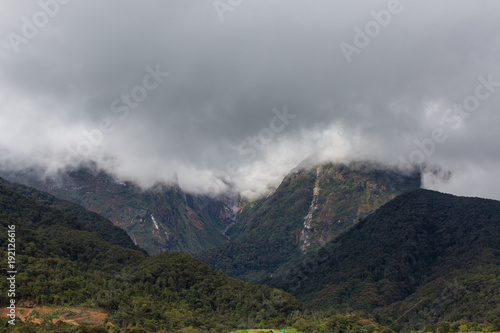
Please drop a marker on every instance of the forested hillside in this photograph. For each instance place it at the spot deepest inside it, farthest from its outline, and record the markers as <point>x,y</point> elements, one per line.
<point>425,261</point>
<point>309,208</point>
<point>433,253</point>
<point>92,221</point>
<point>162,218</point>
<point>61,262</point>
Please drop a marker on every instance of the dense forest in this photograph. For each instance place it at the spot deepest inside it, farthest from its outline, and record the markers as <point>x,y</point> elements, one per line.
<point>269,235</point>
<point>161,218</point>
<point>433,254</point>
<point>92,221</point>
<point>62,262</point>
<point>436,250</point>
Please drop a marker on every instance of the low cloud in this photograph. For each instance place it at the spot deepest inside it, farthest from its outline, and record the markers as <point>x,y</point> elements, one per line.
<point>83,88</point>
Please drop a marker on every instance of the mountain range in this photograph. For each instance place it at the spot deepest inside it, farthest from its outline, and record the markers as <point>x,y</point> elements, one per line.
<point>61,261</point>
<point>312,206</point>
<point>159,219</point>
<point>435,252</point>
<point>328,200</point>
<point>341,247</point>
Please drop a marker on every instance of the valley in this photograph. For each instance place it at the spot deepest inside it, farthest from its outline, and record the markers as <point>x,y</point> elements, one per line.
<point>231,166</point>
<point>311,207</point>
<point>336,247</point>
<point>163,218</point>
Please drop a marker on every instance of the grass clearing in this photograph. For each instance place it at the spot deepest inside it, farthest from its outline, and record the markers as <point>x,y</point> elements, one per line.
<point>70,315</point>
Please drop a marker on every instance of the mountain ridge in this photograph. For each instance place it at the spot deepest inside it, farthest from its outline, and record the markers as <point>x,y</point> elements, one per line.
<point>310,207</point>
<point>162,218</point>
<point>402,251</point>
<point>65,264</point>
<point>93,221</point>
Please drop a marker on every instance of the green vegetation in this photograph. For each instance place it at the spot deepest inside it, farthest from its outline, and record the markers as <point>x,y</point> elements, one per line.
<point>423,262</point>
<point>349,193</point>
<point>434,252</point>
<point>288,330</point>
<point>61,263</point>
<point>91,221</point>
<point>271,230</point>
<point>160,219</point>
<point>268,239</point>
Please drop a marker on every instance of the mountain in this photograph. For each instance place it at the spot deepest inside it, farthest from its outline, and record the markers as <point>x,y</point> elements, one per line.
<point>311,207</point>
<point>61,262</point>
<point>90,220</point>
<point>164,218</point>
<point>424,260</point>
<point>433,254</point>
<point>46,232</point>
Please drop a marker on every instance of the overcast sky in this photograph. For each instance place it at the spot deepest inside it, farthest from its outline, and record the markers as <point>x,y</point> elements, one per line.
<point>241,91</point>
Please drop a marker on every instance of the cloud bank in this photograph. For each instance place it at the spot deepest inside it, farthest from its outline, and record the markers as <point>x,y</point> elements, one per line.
<point>234,94</point>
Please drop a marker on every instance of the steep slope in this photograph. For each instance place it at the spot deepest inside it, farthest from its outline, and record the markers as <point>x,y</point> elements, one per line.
<point>60,262</point>
<point>344,194</point>
<point>431,252</point>
<point>90,220</point>
<point>164,218</point>
<point>45,232</point>
<point>310,207</point>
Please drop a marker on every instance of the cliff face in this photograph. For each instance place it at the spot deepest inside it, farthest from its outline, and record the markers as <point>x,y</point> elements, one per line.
<point>342,195</point>
<point>423,247</point>
<point>311,207</point>
<point>163,218</point>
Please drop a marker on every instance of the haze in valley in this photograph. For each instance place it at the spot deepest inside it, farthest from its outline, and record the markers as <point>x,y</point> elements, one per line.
<point>235,94</point>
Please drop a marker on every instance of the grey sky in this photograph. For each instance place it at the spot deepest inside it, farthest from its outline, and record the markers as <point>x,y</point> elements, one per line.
<point>225,77</point>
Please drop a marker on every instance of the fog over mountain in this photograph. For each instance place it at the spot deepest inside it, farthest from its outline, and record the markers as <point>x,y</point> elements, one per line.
<point>236,93</point>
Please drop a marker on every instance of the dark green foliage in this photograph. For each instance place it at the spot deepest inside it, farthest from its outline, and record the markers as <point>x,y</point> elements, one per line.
<point>271,231</point>
<point>44,232</point>
<point>92,221</point>
<point>269,236</point>
<point>61,263</point>
<point>411,249</point>
<point>58,327</point>
<point>352,192</point>
<point>185,222</point>
<point>425,260</point>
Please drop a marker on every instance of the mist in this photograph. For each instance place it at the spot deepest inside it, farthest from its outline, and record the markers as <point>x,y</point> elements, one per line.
<point>232,95</point>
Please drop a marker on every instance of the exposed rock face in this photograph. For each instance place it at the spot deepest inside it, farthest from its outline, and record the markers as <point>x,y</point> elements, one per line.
<point>163,218</point>
<point>306,233</point>
<point>312,206</point>
<point>420,244</point>
<point>343,195</point>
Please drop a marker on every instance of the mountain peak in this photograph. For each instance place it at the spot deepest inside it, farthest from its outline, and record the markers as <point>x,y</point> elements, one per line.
<point>310,207</point>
